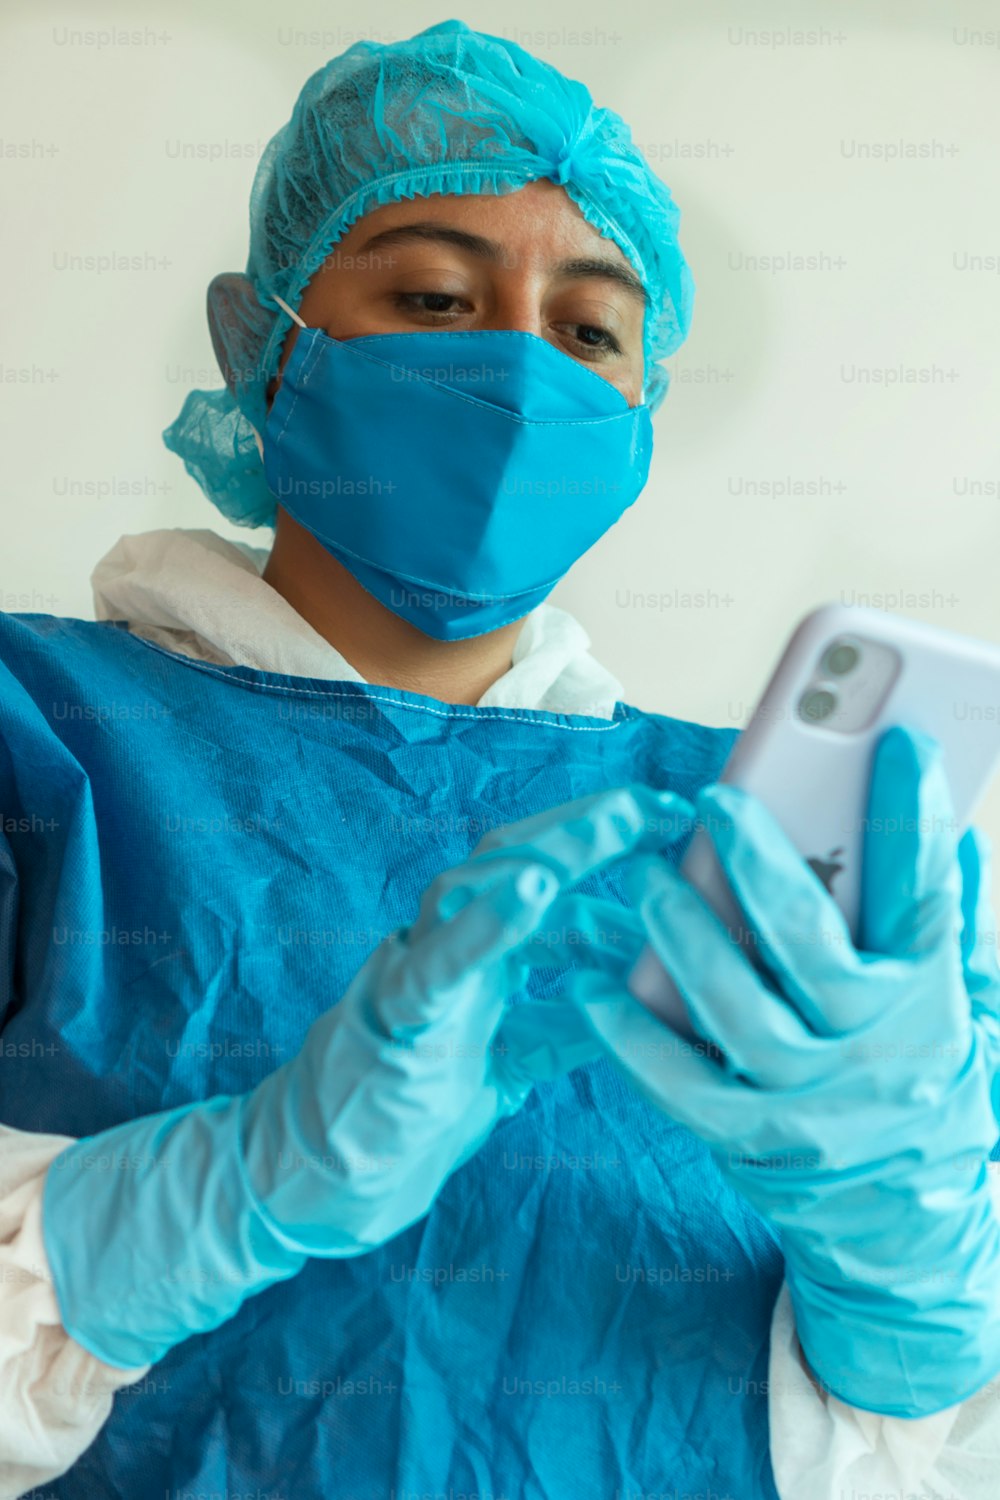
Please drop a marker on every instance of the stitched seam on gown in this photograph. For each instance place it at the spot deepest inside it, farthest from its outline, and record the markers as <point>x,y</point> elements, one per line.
<point>229,675</point>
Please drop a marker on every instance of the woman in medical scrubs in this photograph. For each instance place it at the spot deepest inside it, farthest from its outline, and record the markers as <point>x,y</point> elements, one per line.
<point>336,1157</point>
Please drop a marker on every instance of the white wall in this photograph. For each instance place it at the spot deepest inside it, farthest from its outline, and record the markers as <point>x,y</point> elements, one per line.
<point>766,139</point>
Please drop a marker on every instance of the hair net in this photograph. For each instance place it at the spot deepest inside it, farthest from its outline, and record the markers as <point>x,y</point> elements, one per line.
<point>448,111</point>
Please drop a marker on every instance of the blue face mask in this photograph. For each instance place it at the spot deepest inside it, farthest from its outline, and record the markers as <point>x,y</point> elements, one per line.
<point>457,476</point>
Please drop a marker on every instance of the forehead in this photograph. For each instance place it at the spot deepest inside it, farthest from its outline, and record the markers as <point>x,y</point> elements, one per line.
<point>540,216</point>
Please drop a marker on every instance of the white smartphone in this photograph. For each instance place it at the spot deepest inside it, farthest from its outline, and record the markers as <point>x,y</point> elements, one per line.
<point>846,676</point>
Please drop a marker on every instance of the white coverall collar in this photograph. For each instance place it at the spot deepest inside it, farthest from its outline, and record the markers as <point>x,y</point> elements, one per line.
<point>196,593</point>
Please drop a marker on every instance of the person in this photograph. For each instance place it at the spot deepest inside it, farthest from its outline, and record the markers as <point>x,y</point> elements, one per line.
<point>336,1156</point>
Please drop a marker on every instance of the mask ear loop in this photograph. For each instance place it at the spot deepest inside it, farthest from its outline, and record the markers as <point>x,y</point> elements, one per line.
<point>285,308</point>
<point>295,319</point>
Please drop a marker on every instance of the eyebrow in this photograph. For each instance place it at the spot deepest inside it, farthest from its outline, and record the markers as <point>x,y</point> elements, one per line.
<point>476,244</point>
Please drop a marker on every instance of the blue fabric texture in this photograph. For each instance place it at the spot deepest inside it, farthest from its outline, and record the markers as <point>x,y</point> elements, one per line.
<point>449,111</point>
<point>538,456</point>
<point>195,860</point>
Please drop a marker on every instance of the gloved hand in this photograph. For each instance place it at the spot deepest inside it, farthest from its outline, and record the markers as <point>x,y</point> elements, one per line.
<point>980,961</point>
<point>161,1227</point>
<point>850,1098</point>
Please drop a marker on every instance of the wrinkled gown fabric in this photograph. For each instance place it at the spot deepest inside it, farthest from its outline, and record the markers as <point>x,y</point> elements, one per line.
<point>215,850</point>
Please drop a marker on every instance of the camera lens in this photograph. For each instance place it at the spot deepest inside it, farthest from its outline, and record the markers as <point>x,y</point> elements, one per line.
<point>840,659</point>
<point>816,705</point>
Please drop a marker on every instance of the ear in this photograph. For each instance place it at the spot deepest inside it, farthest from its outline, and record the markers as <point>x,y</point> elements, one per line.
<point>238,325</point>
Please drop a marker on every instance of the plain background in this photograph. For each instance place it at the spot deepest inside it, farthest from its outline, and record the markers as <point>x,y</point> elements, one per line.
<point>831,431</point>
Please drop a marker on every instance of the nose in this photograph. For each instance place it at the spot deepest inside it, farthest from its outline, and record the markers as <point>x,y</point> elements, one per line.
<point>514,306</point>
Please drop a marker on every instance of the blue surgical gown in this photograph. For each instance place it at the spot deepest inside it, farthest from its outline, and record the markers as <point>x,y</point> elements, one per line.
<point>194,861</point>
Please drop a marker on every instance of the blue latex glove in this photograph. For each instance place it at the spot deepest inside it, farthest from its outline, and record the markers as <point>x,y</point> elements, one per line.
<point>846,1093</point>
<point>980,961</point>
<point>161,1227</point>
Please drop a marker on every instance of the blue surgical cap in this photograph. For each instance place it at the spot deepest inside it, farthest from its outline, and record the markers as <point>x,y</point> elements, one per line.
<point>450,110</point>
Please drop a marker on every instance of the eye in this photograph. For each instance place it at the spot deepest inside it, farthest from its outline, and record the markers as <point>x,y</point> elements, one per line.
<point>604,338</point>
<point>591,336</point>
<point>433,304</point>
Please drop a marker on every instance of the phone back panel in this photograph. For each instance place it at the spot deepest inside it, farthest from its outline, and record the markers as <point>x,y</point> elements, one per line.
<point>814,779</point>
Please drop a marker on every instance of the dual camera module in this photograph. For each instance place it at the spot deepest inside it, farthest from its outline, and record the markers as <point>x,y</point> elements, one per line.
<point>818,703</point>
